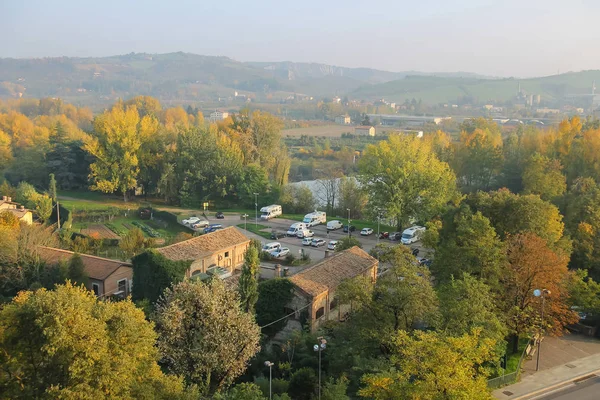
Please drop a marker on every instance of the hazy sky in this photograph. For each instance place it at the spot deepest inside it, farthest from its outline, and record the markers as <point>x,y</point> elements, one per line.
<point>503,38</point>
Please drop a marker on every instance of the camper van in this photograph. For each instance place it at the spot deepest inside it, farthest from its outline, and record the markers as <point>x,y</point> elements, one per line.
<point>315,218</point>
<point>272,211</point>
<point>412,234</point>
<point>269,247</point>
<point>295,228</point>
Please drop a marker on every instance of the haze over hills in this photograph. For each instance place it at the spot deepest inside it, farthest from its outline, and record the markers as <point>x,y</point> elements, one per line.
<point>190,78</point>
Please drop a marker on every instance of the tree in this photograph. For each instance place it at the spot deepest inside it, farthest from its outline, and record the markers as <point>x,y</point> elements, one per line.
<point>544,177</point>
<point>303,384</point>
<point>65,343</point>
<point>203,334</point>
<point>153,273</point>
<point>347,243</point>
<point>43,207</point>
<point>76,270</point>
<point>133,242</point>
<point>273,295</point>
<point>248,282</point>
<point>404,176</point>
<point>584,292</point>
<point>351,197</point>
<point>115,146</point>
<point>533,265</point>
<point>242,391</point>
<point>52,188</point>
<point>430,365</point>
<point>26,195</point>
<point>335,389</point>
<point>468,243</point>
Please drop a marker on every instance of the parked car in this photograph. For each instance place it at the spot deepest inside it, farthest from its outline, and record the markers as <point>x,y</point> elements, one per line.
<point>332,244</point>
<point>281,252</point>
<point>212,228</point>
<point>352,228</point>
<point>316,242</point>
<point>366,231</point>
<point>220,215</point>
<point>395,236</point>
<point>415,251</point>
<point>191,220</point>
<point>277,235</point>
<point>306,241</point>
<point>199,224</point>
<point>304,234</point>
<point>425,262</point>
<point>384,235</point>
<point>334,225</point>
<point>271,247</point>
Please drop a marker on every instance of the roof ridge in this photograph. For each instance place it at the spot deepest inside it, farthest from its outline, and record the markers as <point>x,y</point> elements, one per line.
<point>196,237</point>
<point>86,255</point>
<point>327,259</point>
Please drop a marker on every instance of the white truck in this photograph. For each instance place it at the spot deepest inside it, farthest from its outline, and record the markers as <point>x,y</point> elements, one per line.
<point>272,211</point>
<point>412,234</point>
<point>295,228</point>
<point>315,218</point>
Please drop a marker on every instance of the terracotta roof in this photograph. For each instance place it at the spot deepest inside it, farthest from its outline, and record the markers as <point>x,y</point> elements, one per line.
<point>204,245</point>
<point>329,273</point>
<point>95,267</point>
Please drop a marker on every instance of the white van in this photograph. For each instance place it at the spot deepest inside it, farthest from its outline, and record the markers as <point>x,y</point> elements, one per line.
<point>412,234</point>
<point>272,211</point>
<point>298,226</point>
<point>315,218</point>
<point>269,247</point>
<point>334,225</point>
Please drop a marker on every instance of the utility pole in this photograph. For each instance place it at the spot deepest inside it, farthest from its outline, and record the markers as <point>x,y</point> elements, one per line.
<point>256,210</point>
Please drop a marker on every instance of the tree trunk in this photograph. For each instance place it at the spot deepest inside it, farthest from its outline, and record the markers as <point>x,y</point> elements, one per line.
<point>515,343</point>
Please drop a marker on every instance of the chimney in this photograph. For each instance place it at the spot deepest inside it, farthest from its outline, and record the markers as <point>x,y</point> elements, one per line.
<point>8,199</point>
<point>326,253</point>
<point>278,271</point>
<point>4,198</point>
<point>22,207</point>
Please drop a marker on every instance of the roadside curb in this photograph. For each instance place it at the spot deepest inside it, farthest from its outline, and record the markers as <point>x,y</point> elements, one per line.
<point>566,382</point>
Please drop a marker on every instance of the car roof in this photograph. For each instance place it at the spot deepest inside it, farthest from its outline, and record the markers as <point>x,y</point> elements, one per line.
<point>333,241</point>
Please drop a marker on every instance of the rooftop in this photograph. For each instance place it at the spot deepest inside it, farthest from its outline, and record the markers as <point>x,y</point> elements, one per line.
<point>95,267</point>
<point>204,245</point>
<point>331,271</point>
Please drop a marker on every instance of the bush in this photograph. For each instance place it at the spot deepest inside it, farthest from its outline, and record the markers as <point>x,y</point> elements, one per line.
<point>265,256</point>
<point>273,296</point>
<point>165,216</point>
<point>289,259</point>
<point>303,384</point>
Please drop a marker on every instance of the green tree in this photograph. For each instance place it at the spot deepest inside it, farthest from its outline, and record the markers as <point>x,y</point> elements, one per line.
<point>76,271</point>
<point>347,243</point>
<point>544,177</point>
<point>430,365</point>
<point>65,343</point>
<point>273,295</point>
<point>26,195</point>
<point>203,334</point>
<point>43,207</point>
<point>52,188</point>
<point>335,389</point>
<point>248,282</point>
<point>351,197</point>
<point>404,176</point>
<point>133,242</point>
<point>153,273</point>
<point>584,292</point>
<point>242,391</point>
<point>303,384</point>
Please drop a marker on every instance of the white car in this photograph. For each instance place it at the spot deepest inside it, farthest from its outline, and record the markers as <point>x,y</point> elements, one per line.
<point>282,252</point>
<point>306,241</point>
<point>190,221</point>
<point>332,244</point>
<point>199,224</point>
<point>334,225</point>
<point>305,234</point>
<point>366,231</point>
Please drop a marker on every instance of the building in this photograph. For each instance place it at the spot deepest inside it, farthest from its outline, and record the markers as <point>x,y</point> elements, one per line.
<point>23,214</point>
<point>220,252</point>
<point>217,115</point>
<point>106,277</point>
<point>343,120</point>
<point>364,131</point>
<point>314,288</point>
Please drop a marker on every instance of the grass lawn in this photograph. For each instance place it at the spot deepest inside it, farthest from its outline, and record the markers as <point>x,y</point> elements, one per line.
<point>256,229</point>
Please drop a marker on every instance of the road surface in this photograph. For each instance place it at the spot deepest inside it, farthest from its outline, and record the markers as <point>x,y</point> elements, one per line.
<point>585,390</point>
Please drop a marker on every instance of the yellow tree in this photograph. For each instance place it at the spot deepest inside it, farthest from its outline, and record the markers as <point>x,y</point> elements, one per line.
<point>544,177</point>
<point>114,145</point>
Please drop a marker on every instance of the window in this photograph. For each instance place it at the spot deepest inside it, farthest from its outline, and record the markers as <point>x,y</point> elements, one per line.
<point>320,312</point>
<point>96,289</point>
<point>122,285</point>
<point>226,254</point>
<point>333,304</point>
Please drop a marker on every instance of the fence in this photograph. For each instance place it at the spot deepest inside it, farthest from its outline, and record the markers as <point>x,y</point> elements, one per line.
<point>511,378</point>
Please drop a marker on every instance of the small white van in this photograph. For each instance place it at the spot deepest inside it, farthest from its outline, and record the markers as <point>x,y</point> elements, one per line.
<point>334,225</point>
<point>295,228</point>
<point>269,247</point>
<point>315,218</point>
<point>412,234</point>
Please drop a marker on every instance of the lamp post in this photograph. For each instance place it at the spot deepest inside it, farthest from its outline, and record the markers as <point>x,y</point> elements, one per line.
<point>256,210</point>
<point>245,221</point>
<point>320,347</point>
<point>540,293</point>
<point>348,222</point>
<point>270,365</point>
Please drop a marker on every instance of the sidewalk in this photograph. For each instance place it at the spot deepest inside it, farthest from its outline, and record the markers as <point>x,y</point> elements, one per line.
<point>542,381</point>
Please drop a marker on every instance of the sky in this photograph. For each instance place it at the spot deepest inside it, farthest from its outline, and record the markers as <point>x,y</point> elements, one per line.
<point>521,38</point>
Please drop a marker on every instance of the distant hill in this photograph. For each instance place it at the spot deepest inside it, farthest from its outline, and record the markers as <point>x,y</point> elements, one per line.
<point>181,78</point>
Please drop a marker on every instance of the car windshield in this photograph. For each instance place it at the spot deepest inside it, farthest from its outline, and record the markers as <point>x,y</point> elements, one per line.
<point>408,235</point>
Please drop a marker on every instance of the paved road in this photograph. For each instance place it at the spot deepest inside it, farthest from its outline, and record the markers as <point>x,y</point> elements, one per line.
<point>586,390</point>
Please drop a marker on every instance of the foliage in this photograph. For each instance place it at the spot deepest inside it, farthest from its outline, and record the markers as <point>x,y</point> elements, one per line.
<point>66,343</point>
<point>248,282</point>
<point>273,296</point>
<point>52,188</point>
<point>26,195</point>
<point>242,391</point>
<point>584,293</point>
<point>133,242</point>
<point>153,273</point>
<point>335,389</point>
<point>297,199</point>
<point>43,207</point>
<point>203,334</point>
<point>347,243</point>
<point>544,177</point>
<point>404,176</point>
<point>9,220</point>
<point>76,271</point>
<point>430,365</point>
<point>303,384</point>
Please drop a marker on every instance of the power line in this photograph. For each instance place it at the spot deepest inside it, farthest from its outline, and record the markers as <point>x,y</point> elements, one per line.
<point>282,318</point>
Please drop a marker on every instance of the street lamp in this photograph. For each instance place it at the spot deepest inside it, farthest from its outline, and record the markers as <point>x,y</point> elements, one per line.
<point>256,210</point>
<point>348,222</point>
<point>320,347</point>
<point>379,211</point>
<point>270,365</point>
<point>540,293</point>
<point>245,216</point>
